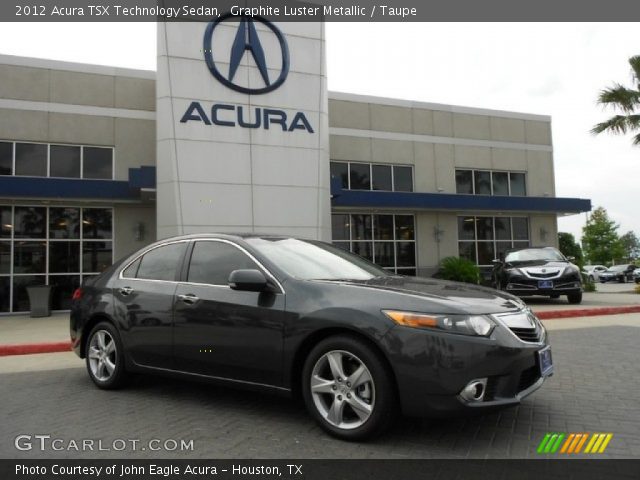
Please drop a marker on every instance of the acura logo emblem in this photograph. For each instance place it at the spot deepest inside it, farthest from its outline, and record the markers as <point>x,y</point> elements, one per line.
<point>247,41</point>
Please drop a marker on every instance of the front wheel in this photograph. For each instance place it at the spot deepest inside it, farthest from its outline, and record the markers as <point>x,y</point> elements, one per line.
<point>105,357</point>
<point>575,297</point>
<point>348,389</point>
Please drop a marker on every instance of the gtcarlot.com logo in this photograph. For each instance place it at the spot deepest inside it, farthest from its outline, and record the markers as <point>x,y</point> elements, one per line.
<point>574,443</point>
<point>44,443</point>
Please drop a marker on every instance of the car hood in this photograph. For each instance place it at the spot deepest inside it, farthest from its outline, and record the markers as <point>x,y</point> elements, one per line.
<point>540,264</point>
<point>445,296</point>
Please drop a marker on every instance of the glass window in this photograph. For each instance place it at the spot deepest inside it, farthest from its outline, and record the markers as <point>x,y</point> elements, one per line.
<point>340,170</point>
<point>383,227</point>
<point>30,222</point>
<point>340,226</point>
<point>20,296</point>
<point>97,223</point>
<point>520,228</point>
<point>5,294</point>
<point>132,270</point>
<point>364,249</point>
<point>29,257</point>
<point>361,227</point>
<point>405,229</point>
<point>518,184</point>
<point>6,158</point>
<point>64,222</point>
<point>162,263</point>
<point>482,182</point>
<point>64,257</point>
<point>464,181</point>
<point>62,288</point>
<point>64,161</point>
<point>403,179</point>
<point>342,245</point>
<point>467,250</point>
<point>31,159</point>
<point>360,176</point>
<point>503,228</point>
<point>466,228</point>
<point>486,253</point>
<point>96,256</point>
<point>97,162</point>
<point>484,228</point>
<point>406,254</point>
<point>500,183</point>
<point>5,257</point>
<point>6,222</point>
<point>385,254</point>
<point>213,262</point>
<point>381,177</point>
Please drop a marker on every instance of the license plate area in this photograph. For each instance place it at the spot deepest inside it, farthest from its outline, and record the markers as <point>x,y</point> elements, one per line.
<point>545,283</point>
<point>545,362</point>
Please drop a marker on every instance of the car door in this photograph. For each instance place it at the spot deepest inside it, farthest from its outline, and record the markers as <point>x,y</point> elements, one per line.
<point>222,332</point>
<point>143,298</point>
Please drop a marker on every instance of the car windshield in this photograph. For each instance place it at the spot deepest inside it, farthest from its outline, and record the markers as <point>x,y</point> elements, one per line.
<point>535,254</point>
<point>618,268</point>
<point>310,260</point>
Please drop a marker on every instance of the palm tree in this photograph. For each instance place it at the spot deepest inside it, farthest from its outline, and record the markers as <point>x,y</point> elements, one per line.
<point>627,100</point>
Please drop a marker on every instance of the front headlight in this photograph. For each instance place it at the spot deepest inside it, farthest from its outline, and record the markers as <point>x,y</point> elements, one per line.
<point>477,325</point>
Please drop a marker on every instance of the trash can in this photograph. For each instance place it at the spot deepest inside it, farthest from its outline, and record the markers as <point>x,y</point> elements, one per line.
<point>40,300</point>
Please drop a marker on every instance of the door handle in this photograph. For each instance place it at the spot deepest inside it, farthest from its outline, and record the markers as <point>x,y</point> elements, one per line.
<point>189,298</point>
<point>125,291</point>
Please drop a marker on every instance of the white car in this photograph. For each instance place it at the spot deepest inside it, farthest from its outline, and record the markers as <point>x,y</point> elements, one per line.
<point>593,271</point>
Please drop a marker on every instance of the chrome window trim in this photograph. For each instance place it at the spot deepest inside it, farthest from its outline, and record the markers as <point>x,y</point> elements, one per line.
<point>219,240</point>
<point>121,277</point>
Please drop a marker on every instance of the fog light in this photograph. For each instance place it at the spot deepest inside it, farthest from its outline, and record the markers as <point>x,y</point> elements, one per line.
<point>474,391</point>
<point>510,286</point>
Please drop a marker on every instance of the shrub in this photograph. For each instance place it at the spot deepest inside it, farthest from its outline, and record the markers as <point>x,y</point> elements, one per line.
<point>637,288</point>
<point>588,285</point>
<point>459,270</point>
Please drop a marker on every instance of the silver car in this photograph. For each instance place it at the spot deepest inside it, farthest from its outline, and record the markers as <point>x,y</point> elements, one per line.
<point>593,271</point>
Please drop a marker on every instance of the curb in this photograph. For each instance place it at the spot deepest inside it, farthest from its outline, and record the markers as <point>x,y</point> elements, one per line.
<point>586,312</point>
<point>31,348</point>
<point>56,347</point>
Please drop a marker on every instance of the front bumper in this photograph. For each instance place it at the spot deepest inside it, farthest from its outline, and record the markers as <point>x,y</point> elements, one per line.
<point>523,286</point>
<point>432,368</point>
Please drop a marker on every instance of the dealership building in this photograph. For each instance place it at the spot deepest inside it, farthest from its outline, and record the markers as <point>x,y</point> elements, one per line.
<point>236,132</point>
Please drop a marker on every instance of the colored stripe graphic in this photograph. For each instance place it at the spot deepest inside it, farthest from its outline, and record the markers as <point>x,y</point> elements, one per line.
<point>573,443</point>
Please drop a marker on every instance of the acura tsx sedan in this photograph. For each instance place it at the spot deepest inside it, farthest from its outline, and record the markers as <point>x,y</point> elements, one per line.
<point>357,343</point>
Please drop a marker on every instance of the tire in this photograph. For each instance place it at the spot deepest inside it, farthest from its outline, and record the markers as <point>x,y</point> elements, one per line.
<point>575,298</point>
<point>331,362</point>
<point>105,357</point>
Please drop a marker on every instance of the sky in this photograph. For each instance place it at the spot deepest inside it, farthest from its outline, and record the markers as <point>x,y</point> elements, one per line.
<point>554,69</point>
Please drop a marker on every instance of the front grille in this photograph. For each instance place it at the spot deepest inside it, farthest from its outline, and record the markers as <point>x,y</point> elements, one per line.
<point>543,275</point>
<point>527,334</point>
<point>528,377</point>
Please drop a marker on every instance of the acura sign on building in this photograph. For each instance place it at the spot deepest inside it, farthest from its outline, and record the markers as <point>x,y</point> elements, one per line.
<point>242,128</point>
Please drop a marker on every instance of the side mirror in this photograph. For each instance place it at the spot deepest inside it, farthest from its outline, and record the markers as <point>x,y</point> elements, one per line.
<point>248,280</point>
<point>496,261</point>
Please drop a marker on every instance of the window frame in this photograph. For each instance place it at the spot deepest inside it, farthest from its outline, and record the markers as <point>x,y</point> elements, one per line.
<point>48,161</point>
<point>380,164</point>
<point>491,174</point>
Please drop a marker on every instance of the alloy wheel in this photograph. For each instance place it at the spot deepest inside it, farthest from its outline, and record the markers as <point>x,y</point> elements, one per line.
<point>103,355</point>
<point>342,389</point>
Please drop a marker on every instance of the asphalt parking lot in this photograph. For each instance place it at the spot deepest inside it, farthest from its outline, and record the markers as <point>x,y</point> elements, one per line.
<point>594,389</point>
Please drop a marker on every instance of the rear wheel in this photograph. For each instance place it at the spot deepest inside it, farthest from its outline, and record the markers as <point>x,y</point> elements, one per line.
<point>348,388</point>
<point>105,357</point>
<point>575,297</point>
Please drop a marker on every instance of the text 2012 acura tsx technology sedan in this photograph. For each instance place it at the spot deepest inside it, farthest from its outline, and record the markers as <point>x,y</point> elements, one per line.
<point>358,343</point>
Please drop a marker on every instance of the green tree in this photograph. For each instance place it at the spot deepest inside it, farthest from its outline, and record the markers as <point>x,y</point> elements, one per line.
<point>600,239</point>
<point>570,248</point>
<point>626,101</point>
<point>631,246</point>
